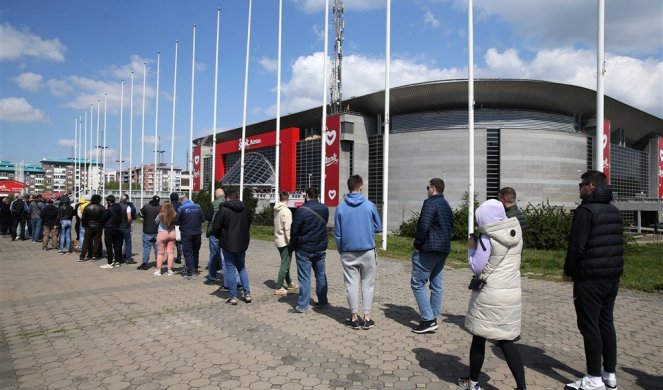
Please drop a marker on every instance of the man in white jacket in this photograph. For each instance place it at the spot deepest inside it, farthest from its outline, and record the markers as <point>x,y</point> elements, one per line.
<point>282,222</point>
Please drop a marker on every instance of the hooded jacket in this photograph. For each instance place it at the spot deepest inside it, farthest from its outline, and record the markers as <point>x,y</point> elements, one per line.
<point>596,241</point>
<point>211,213</point>
<point>232,225</point>
<point>149,212</point>
<point>308,231</point>
<point>49,215</point>
<point>495,311</point>
<point>356,223</point>
<point>282,223</point>
<point>190,219</point>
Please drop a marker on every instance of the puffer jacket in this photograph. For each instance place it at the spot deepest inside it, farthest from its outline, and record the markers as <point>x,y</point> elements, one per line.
<point>434,226</point>
<point>495,311</point>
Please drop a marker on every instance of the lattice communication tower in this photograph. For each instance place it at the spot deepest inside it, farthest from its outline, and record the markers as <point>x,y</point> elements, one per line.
<point>335,82</point>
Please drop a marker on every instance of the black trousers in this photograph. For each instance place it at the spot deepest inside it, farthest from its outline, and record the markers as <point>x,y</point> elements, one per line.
<point>511,354</point>
<point>594,302</point>
<point>191,250</point>
<point>5,225</point>
<point>16,222</point>
<point>113,238</point>
<point>91,243</point>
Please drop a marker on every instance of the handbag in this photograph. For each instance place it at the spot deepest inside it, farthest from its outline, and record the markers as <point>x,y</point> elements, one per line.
<point>476,284</point>
<point>178,234</point>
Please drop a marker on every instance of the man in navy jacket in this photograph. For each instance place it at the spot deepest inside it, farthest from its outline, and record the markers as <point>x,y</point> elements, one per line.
<point>308,239</point>
<point>190,219</point>
<point>432,244</point>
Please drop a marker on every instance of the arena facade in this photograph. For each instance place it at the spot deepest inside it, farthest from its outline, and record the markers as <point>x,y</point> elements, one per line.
<point>534,136</point>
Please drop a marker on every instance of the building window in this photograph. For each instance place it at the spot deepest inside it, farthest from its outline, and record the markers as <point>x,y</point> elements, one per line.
<point>308,164</point>
<point>375,170</point>
<point>492,163</point>
<point>348,147</point>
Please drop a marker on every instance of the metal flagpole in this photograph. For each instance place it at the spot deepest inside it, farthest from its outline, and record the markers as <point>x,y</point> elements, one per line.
<point>103,183</point>
<point>172,131</point>
<point>385,160</point>
<point>216,84</point>
<point>131,135</point>
<point>121,131</point>
<point>323,127</point>
<point>89,172</point>
<point>97,143</point>
<point>80,145</point>
<point>75,152</point>
<point>470,113</point>
<point>156,127</point>
<point>142,142</point>
<point>193,79</point>
<point>278,107</point>
<point>600,80</point>
<point>246,91</point>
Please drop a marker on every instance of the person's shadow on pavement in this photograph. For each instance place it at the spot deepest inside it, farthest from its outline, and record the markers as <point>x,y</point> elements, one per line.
<point>456,319</point>
<point>536,359</point>
<point>404,315</point>
<point>447,367</point>
<point>643,379</point>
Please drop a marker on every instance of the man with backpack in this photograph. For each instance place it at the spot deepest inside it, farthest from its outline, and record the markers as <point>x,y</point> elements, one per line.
<point>19,211</point>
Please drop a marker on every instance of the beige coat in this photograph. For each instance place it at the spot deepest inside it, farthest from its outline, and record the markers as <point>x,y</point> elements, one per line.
<point>282,222</point>
<point>495,311</point>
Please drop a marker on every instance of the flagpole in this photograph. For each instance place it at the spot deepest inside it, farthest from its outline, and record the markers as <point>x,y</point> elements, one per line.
<point>131,135</point>
<point>97,143</point>
<point>470,112</point>
<point>172,131</point>
<point>193,79</point>
<point>85,146</point>
<point>80,145</point>
<point>121,131</point>
<point>600,81</point>
<point>323,127</point>
<point>156,126</point>
<point>103,183</point>
<point>387,120</point>
<point>75,153</point>
<point>278,107</point>
<point>246,91</point>
<point>216,84</point>
<point>89,172</point>
<point>142,141</point>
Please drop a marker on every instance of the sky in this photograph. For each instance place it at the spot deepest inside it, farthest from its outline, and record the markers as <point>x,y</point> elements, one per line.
<point>59,58</point>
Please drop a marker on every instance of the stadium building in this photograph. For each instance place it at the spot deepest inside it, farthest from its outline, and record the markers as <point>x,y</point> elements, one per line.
<point>534,136</point>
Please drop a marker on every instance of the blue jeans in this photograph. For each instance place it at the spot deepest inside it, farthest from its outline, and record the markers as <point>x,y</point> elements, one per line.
<point>235,262</point>
<point>81,234</point>
<point>149,241</point>
<point>65,235</point>
<point>306,261</point>
<point>126,234</point>
<point>36,228</point>
<point>215,258</point>
<point>428,266</point>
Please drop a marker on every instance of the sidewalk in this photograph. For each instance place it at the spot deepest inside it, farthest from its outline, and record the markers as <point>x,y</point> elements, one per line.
<point>72,325</point>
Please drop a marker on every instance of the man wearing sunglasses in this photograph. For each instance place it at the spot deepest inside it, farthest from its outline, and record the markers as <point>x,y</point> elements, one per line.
<point>595,262</point>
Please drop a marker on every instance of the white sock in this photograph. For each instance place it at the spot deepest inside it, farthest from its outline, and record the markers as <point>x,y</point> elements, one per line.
<point>608,376</point>
<point>595,380</point>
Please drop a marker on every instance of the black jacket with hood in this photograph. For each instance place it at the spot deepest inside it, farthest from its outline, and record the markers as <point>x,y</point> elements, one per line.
<point>231,226</point>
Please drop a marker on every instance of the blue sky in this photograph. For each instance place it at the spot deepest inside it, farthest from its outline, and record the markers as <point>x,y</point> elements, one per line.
<point>57,58</point>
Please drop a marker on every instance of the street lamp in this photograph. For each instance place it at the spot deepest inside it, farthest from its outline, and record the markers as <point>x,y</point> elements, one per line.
<point>309,180</point>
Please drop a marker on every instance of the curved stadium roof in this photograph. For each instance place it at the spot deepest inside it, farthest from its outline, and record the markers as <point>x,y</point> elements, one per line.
<point>488,93</point>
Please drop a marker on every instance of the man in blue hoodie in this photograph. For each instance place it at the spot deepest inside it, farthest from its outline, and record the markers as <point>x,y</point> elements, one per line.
<point>308,239</point>
<point>190,219</point>
<point>355,225</point>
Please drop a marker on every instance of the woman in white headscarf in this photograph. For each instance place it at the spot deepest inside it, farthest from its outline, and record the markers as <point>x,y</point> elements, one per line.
<point>494,311</point>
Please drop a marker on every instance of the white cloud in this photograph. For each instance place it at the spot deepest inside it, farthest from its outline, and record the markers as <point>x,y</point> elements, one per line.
<point>124,71</point>
<point>66,142</point>
<point>269,64</point>
<point>28,81</point>
<point>17,44</point>
<point>59,87</point>
<point>312,6</point>
<point>430,20</point>
<point>18,110</point>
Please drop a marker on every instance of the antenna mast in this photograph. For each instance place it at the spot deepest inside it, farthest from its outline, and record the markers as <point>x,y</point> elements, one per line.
<point>335,87</point>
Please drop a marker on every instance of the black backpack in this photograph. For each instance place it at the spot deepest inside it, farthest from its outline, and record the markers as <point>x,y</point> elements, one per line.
<point>18,207</point>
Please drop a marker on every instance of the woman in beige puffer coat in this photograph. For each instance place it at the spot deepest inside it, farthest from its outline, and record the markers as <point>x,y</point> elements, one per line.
<point>494,311</point>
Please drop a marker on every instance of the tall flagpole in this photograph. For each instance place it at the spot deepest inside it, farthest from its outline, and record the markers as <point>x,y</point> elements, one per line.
<point>142,141</point>
<point>96,146</point>
<point>75,153</point>
<point>156,127</point>
<point>80,145</point>
<point>103,183</point>
<point>216,84</point>
<point>387,121</point>
<point>89,172</point>
<point>246,91</point>
<point>278,107</point>
<point>470,113</point>
<point>131,135</point>
<point>85,161</point>
<point>600,80</point>
<point>121,130</point>
<point>172,131</point>
<point>323,127</point>
<point>193,79</point>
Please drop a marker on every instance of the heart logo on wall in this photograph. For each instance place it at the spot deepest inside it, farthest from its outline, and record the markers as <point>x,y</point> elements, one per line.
<point>332,194</point>
<point>196,160</point>
<point>330,137</point>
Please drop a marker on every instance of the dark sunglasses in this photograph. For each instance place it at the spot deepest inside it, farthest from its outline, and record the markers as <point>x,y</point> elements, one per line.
<point>580,185</point>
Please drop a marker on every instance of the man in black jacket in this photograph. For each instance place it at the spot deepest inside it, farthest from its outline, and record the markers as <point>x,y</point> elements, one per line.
<point>308,239</point>
<point>113,235</point>
<point>49,219</point>
<point>93,222</point>
<point>231,226</point>
<point>595,262</point>
<point>149,212</point>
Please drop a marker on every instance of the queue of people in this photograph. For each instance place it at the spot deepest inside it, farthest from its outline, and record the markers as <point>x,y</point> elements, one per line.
<point>594,261</point>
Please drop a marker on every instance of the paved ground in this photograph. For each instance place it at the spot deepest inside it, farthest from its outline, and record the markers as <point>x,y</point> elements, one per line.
<point>74,326</point>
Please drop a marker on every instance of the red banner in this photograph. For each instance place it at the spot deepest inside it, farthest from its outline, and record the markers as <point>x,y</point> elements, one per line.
<point>11,186</point>
<point>660,167</point>
<point>331,144</point>
<point>606,149</point>
<point>196,168</point>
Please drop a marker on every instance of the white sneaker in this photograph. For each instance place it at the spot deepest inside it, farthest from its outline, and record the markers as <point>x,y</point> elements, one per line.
<point>584,384</point>
<point>116,265</point>
<point>157,272</point>
<point>106,266</point>
<point>170,272</point>
<point>610,381</point>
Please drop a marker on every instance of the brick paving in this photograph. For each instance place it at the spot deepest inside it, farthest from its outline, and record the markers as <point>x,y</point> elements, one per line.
<point>71,325</point>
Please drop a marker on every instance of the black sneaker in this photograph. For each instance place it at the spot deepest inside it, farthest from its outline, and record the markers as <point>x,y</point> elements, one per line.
<point>368,324</point>
<point>425,327</point>
<point>209,282</point>
<point>142,267</point>
<point>354,324</point>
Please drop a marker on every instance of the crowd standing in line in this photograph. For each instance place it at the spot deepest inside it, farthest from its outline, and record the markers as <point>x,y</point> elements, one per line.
<point>594,260</point>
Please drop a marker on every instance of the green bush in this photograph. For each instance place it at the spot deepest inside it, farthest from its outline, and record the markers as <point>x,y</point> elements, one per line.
<point>459,227</point>
<point>548,227</point>
<point>264,217</point>
<point>408,228</point>
<point>203,198</point>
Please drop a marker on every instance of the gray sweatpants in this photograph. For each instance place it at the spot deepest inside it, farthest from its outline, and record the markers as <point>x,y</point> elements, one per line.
<point>359,268</point>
